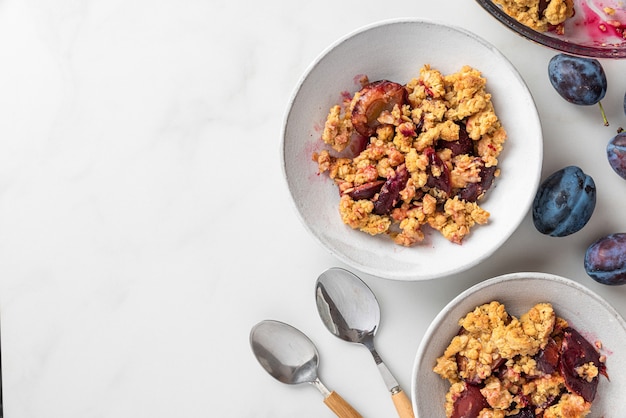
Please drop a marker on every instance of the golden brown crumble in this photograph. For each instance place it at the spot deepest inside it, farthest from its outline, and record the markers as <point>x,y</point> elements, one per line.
<point>540,15</point>
<point>500,354</point>
<point>414,138</point>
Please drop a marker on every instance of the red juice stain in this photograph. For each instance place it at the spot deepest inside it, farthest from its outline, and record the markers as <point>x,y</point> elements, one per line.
<point>599,29</point>
<point>360,80</point>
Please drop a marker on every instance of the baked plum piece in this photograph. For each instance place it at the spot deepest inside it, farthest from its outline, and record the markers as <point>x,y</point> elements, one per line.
<point>524,413</point>
<point>580,365</point>
<point>442,180</point>
<point>536,365</point>
<point>469,403</point>
<point>390,192</point>
<point>374,99</point>
<point>473,191</point>
<point>464,145</point>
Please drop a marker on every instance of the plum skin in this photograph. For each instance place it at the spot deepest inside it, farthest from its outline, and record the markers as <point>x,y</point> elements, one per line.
<point>616,154</point>
<point>375,98</point>
<point>564,202</point>
<point>605,260</point>
<point>578,80</point>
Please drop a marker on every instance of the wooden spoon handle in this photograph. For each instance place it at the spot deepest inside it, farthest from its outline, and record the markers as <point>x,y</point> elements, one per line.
<point>403,404</point>
<point>340,407</point>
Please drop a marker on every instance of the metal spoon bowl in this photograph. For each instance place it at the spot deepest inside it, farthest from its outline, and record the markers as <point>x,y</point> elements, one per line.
<point>350,311</point>
<point>290,357</point>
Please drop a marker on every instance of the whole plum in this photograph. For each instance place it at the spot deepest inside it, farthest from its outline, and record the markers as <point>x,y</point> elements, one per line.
<point>581,81</point>
<point>564,202</point>
<point>616,153</point>
<point>605,260</point>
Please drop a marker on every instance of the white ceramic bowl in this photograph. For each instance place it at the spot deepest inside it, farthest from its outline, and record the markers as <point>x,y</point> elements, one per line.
<point>396,50</point>
<point>585,311</point>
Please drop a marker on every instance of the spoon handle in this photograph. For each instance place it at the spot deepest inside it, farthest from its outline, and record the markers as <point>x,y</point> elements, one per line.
<point>402,404</point>
<point>340,407</point>
<point>399,398</point>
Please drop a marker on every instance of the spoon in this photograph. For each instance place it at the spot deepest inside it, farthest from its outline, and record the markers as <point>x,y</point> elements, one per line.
<point>351,312</point>
<point>291,357</point>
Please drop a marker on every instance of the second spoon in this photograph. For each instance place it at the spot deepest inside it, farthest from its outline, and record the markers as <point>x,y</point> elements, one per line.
<point>290,357</point>
<point>350,311</point>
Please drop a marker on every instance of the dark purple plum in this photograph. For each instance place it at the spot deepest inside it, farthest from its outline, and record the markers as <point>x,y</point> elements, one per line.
<point>390,192</point>
<point>473,191</point>
<point>524,413</point>
<point>564,202</point>
<point>578,80</point>
<point>605,260</point>
<point>548,358</point>
<point>576,351</point>
<point>469,403</point>
<point>616,153</point>
<point>442,181</point>
<point>463,145</point>
<point>365,191</point>
<point>375,98</point>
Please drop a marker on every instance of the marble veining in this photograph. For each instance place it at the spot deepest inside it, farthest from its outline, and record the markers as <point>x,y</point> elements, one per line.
<point>145,226</point>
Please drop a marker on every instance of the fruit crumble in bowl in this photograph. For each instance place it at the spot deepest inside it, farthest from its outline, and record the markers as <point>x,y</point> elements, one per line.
<point>522,345</point>
<point>411,162</point>
<point>429,155</point>
<point>591,28</point>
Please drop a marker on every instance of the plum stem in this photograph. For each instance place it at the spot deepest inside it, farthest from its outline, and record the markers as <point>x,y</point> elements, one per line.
<point>606,121</point>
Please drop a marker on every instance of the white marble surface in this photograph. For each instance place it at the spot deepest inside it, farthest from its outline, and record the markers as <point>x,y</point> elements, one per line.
<point>145,226</point>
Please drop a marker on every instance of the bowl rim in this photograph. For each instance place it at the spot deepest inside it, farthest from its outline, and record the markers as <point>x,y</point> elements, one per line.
<point>530,275</point>
<point>412,275</point>
<point>611,52</point>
